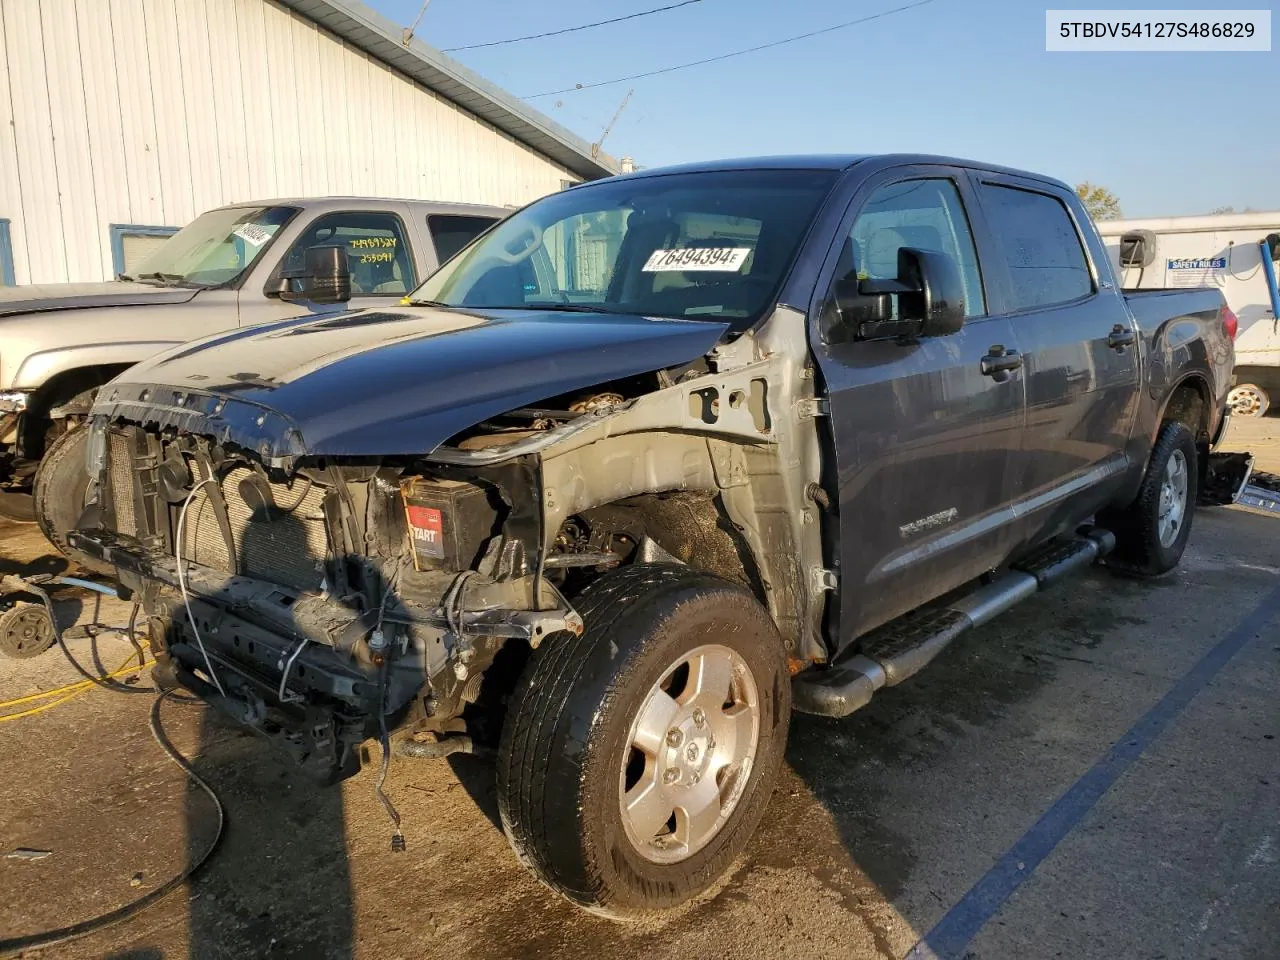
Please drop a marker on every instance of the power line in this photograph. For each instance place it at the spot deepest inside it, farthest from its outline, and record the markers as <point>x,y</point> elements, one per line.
<point>735,53</point>
<point>585,26</point>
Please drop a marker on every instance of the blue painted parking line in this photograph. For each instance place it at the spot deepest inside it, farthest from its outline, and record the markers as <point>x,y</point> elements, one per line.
<point>949,939</point>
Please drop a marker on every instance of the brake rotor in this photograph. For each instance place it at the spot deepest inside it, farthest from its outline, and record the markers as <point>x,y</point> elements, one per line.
<point>25,631</point>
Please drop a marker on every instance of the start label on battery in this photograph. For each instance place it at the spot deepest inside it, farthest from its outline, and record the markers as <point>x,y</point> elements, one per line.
<point>427,527</point>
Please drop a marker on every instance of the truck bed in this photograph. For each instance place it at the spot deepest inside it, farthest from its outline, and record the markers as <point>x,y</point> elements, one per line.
<point>1154,308</point>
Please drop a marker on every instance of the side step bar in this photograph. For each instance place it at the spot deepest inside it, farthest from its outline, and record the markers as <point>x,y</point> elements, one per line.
<point>903,648</point>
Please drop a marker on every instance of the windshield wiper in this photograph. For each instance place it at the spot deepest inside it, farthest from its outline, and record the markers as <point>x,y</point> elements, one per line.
<point>564,308</point>
<point>166,279</point>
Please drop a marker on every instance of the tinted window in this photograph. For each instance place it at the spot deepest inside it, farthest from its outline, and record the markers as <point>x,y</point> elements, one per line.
<point>921,214</point>
<point>451,232</point>
<point>714,244</point>
<point>1047,264</point>
<point>376,250</point>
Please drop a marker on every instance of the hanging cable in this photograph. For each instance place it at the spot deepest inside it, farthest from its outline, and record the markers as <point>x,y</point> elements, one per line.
<point>182,584</point>
<point>735,53</point>
<point>585,26</point>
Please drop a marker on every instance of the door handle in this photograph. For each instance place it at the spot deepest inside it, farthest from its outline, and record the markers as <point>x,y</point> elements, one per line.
<point>999,363</point>
<point>1120,337</point>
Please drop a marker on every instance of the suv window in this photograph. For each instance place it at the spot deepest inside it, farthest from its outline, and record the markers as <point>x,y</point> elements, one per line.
<point>377,253</point>
<point>451,232</point>
<point>922,214</point>
<point>1040,244</point>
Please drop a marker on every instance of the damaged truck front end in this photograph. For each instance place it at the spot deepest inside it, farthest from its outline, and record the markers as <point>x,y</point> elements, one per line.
<point>316,598</point>
<point>311,599</point>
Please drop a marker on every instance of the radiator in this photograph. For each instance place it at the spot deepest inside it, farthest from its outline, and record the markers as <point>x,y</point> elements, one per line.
<point>121,482</point>
<point>288,548</point>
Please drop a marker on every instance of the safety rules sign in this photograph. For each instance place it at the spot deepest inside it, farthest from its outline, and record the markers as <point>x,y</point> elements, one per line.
<point>1203,272</point>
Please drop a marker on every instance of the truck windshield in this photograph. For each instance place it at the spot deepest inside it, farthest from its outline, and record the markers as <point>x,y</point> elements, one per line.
<point>215,249</point>
<point>709,245</point>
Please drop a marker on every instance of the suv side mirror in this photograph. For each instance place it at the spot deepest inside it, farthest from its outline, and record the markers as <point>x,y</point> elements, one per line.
<point>326,277</point>
<point>930,299</point>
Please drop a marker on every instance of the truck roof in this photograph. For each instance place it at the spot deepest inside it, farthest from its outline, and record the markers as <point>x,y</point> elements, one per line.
<point>837,161</point>
<point>311,203</point>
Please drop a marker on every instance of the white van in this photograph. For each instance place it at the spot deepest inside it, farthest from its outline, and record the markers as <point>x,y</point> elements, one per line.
<point>1235,252</point>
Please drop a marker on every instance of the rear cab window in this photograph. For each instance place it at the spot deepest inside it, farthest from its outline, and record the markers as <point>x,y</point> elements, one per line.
<point>1040,246</point>
<point>450,232</point>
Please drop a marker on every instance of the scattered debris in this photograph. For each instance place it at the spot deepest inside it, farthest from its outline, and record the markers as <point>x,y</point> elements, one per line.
<point>26,853</point>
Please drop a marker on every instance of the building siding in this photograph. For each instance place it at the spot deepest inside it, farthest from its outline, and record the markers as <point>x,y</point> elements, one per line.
<point>152,111</point>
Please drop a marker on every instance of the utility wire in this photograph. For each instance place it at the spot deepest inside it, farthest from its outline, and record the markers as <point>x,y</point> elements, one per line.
<point>735,53</point>
<point>585,26</point>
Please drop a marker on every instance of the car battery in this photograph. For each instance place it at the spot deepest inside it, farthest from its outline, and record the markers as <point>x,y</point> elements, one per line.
<point>449,521</point>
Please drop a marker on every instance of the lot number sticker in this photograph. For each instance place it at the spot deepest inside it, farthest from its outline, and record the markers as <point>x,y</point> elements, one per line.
<point>724,259</point>
<point>253,234</point>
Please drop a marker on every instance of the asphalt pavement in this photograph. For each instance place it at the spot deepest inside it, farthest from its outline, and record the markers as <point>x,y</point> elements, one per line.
<point>1095,774</point>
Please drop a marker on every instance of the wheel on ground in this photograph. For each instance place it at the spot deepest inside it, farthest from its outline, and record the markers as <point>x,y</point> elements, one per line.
<point>1248,400</point>
<point>59,491</point>
<point>25,631</point>
<point>637,760</point>
<point>1151,533</point>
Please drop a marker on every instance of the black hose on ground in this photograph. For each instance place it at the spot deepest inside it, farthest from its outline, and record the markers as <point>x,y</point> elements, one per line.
<point>74,931</point>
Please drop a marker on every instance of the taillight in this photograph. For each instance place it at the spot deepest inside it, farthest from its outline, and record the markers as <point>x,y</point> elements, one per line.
<point>1230,325</point>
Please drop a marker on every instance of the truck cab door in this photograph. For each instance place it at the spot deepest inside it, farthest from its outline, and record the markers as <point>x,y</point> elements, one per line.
<point>1050,278</point>
<point>924,430</point>
<point>379,253</point>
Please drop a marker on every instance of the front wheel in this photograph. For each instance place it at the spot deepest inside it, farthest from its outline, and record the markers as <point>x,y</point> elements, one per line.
<point>58,494</point>
<point>1152,532</point>
<point>638,759</point>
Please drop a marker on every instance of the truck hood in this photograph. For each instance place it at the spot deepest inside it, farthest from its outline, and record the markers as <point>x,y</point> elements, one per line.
<point>42,297</point>
<point>396,382</point>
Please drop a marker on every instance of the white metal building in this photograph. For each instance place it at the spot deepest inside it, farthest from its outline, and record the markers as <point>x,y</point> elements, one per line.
<point>122,120</point>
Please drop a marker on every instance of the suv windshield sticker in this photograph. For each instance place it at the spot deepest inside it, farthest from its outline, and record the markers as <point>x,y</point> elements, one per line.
<point>252,233</point>
<point>726,259</point>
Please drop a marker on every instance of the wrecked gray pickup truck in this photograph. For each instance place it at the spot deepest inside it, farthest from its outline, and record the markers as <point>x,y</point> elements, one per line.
<point>650,462</point>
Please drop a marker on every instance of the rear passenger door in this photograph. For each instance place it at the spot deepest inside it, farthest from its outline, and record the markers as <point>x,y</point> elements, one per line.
<point>1080,352</point>
<point>924,430</point>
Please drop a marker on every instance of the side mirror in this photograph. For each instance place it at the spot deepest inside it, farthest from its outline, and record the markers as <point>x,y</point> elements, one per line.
<point>858,312</point>
<point>326,277</point>
<point>936,301</point>
<point>930,299</point>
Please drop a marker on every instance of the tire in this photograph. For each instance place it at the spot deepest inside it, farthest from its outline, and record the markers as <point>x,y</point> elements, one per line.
<point>1248,400</point>
<point>567,759</point>
<point>25,631</point>
<point>58,494</point>
<point>1148,541</point>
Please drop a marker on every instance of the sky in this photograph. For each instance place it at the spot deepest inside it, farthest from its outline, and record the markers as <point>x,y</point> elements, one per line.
<point>1169,134</point>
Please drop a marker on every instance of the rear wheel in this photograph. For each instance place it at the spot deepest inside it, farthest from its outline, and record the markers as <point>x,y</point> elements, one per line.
<point>1152,532</point>
<point>59,491</point>
<point>637,759</point>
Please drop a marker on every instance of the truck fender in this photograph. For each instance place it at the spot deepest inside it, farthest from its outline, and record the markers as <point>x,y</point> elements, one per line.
<point>39,368</point>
